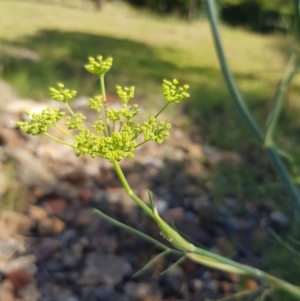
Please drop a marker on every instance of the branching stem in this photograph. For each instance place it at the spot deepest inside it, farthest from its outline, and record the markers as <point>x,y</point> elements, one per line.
<point>102,87</point>
<point>64,132</point>
<point>241,105</point>
<point>162,110</point>
<point>57,140</point>
<point>129,191</point>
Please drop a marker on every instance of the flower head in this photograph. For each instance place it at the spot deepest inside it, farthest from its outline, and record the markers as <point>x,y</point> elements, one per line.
<point>173,93</point>
<point>62,94</point>
<point>115,134</point>
<point>39,123</point>
<point>99,66</point>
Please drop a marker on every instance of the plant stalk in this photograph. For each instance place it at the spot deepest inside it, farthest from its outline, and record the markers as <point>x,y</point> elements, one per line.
<point>289,74</point>
<point>297,19</point>
<point>129,191</point>
<point>244,111</point>
<point>102,86</point>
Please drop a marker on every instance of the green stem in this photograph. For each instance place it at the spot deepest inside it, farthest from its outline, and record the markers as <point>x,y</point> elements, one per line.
<point>151,262</point>
<point>178,262</point>
<point>297,17</point>
<point>236,94</point>
<point>134,231</point>
<point>242,294</point>
<point>141,143</point>
<point>245,113</point>
<point>64,132</point>
<point>286,245</point>
<point>129,191</point>
<point>57,140</point>
<point>162,110</point>
<point>69,109</point>
<point>102,87</point>
<point>256,273</point>
<point>289,74</point>
<point>120,127</point>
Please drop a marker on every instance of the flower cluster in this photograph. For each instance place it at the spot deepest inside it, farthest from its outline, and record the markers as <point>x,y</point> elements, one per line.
<point>114,133</point>
<point>154,131</point>
<point>99,66</point>
<point>126,111</point>
<point>61,94</point>
<point>173,93</point>
<point>96,103</point>
<point>75,121</point>
<point>125,93</point>
<point>115,147</point>
<point>40,122</point>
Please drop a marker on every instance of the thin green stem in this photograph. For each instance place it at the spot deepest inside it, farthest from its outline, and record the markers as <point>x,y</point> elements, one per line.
<point>69,109</point>
<point>242,294</point>
<point>179,261</point>
<point>286,245</point>
<point>162,110</point>
<point>297,19</point>
<point>64,132</point>
<point>141,143</point>
<point>236,94</point>
<point>263,296</point>
<point>256,273</point>
<point>245,113</point>
<point>121,124</point>
<point>289,74</point>
<point>134,231</point>
<point>151,262</point>
<point>129,191</point>
<point>57,140</point>
<point>102,87</point>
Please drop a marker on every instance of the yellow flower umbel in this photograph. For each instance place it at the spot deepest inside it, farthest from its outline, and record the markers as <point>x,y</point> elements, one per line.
<point>115,134</point>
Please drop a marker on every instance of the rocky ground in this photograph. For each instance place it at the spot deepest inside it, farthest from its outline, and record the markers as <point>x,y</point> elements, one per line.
<point>54,248</point>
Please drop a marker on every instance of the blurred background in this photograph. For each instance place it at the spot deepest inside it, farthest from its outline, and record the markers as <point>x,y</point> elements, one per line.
<point>210,178</point>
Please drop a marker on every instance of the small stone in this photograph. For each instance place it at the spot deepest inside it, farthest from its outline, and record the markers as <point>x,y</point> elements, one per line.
<point>56,205</point>
<point>11,247</point>
<point>84,217</point>
<point>104,292</point>
<point>226,287</point>
<point>102,268</point>
<point>14,223</point>
<point>279,218</point>
<point>174,279</point>
<point>213,286</point>
<point>161,206</point>
<point>7,291</point>
<point>197,284</point>
<point>71,257</point>
<point>20,278</point>
<point>251,284</point>
<point>47,247</point>
<point>50,225</point>
<point>174,214</point>
<point>85,195</point>
<point>24,161</point>
<point>30,293</point>
<point>37,212</point>
<point>141,291</point>
<point>58,293</point>
<point>119,196</point>
<point>26,262</point>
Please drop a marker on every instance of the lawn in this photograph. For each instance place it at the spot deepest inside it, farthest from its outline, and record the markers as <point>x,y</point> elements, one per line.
<point>42,43</point>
